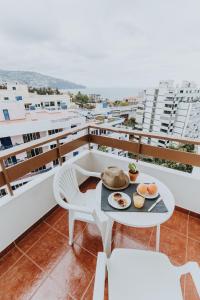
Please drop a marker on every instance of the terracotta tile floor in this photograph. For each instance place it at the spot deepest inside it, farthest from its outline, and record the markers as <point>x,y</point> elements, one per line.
<point>42,266</point>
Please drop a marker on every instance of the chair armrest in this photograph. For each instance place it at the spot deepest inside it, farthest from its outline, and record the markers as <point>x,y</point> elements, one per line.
<point>87,173</point>
<point>100,276</point>
<point>81,209</point>
<point>75,208</point>
<point>194,269</point>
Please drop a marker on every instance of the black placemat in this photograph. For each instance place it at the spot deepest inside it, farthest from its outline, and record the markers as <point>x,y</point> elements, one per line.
<point>105,206</point>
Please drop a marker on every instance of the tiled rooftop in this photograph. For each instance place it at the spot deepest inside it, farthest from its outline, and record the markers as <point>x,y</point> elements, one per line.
<point>42,265</point>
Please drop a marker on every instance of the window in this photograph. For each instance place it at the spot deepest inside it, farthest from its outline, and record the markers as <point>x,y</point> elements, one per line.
<point>53,131</point>
<point>31,136</point>
<point>164,124</point>
<point>6,98</point>
<point>2,192</point>
<point>18,98</point>
<point>6,114</point>
<point>16,186</point>
<point>167,112</point>
<point>52,103</point>
<point>102,131</point>
<point>181,91</point>
<point>14,88</point>
<point>56,161</point>
<point>27,106</point>
<point>75,153</point>
<point>163,130</point>
<point>169,105</point>
<point>11,161</point>
<point>34,152</point>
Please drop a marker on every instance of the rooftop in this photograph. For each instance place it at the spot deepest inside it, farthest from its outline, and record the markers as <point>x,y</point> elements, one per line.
<point>42,115</point>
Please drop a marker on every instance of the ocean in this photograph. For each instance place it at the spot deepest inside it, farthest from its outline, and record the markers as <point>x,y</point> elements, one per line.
<point>109,93</point>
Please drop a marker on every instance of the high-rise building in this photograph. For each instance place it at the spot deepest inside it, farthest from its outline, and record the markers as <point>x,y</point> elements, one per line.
<point>169,109</point>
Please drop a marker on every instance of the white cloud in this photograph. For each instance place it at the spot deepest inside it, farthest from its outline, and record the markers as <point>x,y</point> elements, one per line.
<point>103,42</point>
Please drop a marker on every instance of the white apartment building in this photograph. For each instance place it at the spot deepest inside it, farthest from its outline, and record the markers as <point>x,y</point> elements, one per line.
<point>25,116</point>
<point>15,99</point>
<point>169,109</point>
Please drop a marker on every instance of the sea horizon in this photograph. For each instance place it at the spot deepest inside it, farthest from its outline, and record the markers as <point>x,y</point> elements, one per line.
<point>112,93</point>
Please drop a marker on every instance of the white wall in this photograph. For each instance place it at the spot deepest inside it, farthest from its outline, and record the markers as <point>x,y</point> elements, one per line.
<point>35,199</point>
<point>16,110</point>
<point>26,207</point>
<point>29,203</point>
<point>13,129</point>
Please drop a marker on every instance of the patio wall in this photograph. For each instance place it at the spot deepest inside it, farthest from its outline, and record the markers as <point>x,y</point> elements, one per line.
<point>29,203</point>
<point>35,199</point>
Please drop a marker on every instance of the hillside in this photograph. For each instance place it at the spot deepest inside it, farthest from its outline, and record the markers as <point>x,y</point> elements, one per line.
<point>35,79</point>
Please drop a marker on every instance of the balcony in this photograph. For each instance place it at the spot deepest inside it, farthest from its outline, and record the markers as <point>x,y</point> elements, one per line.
<point>36,261</point>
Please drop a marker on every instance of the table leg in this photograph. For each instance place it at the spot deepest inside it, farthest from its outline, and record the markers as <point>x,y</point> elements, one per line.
<point>158,238</point>
<point>108,237</point>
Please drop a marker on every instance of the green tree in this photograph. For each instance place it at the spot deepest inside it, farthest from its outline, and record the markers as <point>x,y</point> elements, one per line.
<point>44,91</point>
<point>130,123</point>
<point>80,99</point>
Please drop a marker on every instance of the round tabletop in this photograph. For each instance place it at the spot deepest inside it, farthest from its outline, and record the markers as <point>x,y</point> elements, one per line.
<point>143,219</point>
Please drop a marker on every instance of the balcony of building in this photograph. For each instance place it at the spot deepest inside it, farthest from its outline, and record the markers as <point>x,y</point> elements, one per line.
<point>36,260</point>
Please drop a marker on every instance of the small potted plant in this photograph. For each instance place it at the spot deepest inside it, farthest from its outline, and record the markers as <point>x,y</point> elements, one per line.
<point>133,172</point>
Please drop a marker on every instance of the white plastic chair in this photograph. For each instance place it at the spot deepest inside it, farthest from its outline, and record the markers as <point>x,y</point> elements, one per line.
<point>141,275</point>
<point>81,206</point>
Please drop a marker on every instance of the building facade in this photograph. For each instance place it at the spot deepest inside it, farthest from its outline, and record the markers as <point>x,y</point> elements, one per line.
<point>171,110</point>
<point>25,117</point>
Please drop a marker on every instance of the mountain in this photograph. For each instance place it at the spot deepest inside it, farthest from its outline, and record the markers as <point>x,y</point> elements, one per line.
<point>35,79</point>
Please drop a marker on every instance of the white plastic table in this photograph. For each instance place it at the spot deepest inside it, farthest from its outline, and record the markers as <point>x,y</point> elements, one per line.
<point>141,219</point>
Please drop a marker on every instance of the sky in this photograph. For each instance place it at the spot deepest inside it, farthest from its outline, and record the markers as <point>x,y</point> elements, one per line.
<point>103,43</point>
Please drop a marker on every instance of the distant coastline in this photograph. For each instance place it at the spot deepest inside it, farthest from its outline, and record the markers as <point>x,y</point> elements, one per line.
<point>110,93</point>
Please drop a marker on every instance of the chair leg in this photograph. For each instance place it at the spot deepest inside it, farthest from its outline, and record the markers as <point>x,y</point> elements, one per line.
<point>108,238</point>
<point>71,228</point>
<point>158,238</point>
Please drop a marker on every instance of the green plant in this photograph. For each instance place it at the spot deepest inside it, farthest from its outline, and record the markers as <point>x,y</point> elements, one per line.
<point>103,148</point>
<point>132,167</point>
<point>130,123</point>
<point>80,99</point>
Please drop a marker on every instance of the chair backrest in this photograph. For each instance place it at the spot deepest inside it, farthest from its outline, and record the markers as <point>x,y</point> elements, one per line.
<point>140,274</point>
<point>65,185</point>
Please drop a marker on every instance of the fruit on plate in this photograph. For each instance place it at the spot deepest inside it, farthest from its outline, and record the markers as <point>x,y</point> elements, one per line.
<point>138,201</point>
<point>152,189</point>
<point>142,188</point>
